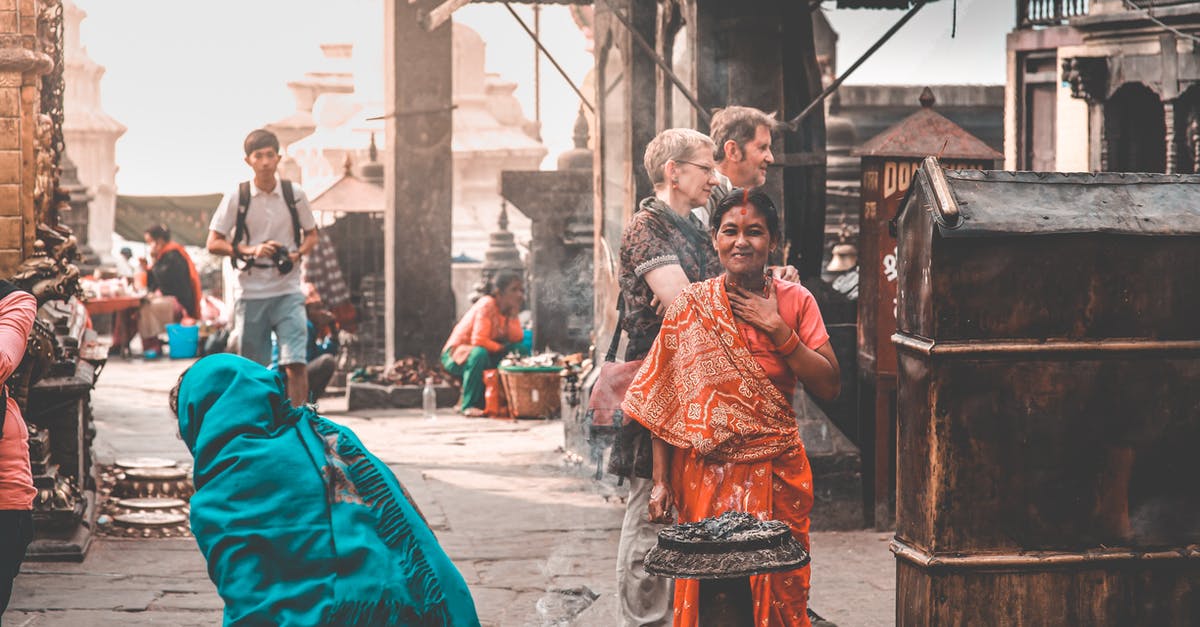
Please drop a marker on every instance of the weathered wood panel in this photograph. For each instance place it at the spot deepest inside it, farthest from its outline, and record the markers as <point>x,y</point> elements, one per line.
<point>1049,400</point>
<point>1072,286</point>
<point>1117,595</point>
<point>1017,452</point>
<point>418,181</point>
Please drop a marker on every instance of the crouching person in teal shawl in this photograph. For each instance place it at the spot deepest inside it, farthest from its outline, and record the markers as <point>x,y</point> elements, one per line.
<point>300,524</point>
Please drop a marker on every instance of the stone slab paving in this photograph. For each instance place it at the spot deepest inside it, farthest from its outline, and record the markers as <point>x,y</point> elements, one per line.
<point>122,582</point>
<point>519,520</point>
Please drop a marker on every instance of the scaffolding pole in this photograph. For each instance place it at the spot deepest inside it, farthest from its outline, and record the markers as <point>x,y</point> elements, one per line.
<point>550,57</point>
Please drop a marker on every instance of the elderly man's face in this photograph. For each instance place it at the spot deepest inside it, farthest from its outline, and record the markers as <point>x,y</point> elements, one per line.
<point>750,161</point>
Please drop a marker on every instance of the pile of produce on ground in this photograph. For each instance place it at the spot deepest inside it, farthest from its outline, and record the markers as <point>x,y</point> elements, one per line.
<point>405,371</point>
<point>548,359</point>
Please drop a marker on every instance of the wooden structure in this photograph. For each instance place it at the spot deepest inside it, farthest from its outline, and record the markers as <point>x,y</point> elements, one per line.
<point>417,181</point>
<point>1104,85</point>
<point>758,53</point>
<point>1048,391</point>
<point>889,161</point>
<point>418,68</point>
<point>350,214</point>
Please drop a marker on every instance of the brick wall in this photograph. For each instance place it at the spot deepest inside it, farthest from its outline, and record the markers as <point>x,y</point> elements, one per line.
<point>21,67</point>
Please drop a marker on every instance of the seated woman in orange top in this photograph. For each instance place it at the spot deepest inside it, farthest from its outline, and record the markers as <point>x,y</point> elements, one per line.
<point>716,389</point>
<point>489,331</point>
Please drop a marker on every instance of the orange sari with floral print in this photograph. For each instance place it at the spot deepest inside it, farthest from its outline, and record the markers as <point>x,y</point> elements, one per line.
<point>737,446</point>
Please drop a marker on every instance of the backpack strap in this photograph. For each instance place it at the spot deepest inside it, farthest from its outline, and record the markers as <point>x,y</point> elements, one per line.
<point>289,197</point>
<point>239,229</point>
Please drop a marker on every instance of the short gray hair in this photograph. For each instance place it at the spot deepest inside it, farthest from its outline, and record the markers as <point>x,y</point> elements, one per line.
<point>673,144</point>
<point>739,124</point>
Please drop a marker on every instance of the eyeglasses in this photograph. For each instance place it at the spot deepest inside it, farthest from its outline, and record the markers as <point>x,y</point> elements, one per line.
<point>704,168</point>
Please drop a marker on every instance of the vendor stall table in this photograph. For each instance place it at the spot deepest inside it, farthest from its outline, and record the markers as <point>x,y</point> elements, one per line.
<point>112,305</point>
<point>122,309</point>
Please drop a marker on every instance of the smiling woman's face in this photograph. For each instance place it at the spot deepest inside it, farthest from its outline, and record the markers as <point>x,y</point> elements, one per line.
<point>743,241</point>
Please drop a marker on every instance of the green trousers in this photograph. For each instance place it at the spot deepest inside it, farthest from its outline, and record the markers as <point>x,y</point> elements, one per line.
<point>471,371</point>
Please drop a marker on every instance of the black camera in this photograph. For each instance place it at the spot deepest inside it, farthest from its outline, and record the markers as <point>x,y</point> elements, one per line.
<point>283,263</point>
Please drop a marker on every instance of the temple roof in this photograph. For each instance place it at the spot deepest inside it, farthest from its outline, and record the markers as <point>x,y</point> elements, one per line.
<point>927,133</point>
<point>350,194</point>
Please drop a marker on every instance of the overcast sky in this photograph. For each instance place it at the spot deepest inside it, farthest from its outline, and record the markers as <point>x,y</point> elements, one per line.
<point>190,79</point>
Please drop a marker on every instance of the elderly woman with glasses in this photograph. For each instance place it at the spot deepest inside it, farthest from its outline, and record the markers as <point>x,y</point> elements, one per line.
<point>663,249</point>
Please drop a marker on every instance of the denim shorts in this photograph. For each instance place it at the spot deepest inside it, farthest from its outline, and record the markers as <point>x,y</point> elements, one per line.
<point>285,316</point>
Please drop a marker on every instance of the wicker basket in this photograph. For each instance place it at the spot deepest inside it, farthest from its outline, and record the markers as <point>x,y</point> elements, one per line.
<point>532,392</point>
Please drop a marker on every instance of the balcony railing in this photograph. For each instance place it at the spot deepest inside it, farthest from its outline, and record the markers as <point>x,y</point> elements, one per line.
<point>1049,12</point>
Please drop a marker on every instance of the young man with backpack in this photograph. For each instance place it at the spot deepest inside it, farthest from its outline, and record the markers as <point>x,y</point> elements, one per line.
<point>265,227</point>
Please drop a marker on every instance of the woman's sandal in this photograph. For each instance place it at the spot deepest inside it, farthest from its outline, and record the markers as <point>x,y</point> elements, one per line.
<point>473,412</point>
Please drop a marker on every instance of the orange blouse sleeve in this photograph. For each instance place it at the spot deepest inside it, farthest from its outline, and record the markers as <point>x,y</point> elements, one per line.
<point>807,321</point>
<point>483,331</point>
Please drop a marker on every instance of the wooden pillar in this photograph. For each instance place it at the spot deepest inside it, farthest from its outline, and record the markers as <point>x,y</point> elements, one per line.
<point>1171,127</point>
<point>1193,134</point>
<point>760,53</point>
<point>624,97</point>
<point>1097,138</point>
<point>1169,92</point>
<point>417,181</point>
<point>804,171</point>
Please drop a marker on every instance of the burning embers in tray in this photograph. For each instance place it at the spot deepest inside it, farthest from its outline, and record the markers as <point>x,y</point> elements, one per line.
<point>732,545</point>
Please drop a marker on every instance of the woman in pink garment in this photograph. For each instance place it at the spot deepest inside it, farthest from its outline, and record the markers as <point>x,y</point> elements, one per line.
<point>17,310</point>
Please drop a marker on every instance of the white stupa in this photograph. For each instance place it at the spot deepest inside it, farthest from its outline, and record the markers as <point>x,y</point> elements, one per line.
<point>491,133</point>
<point>89,133</point>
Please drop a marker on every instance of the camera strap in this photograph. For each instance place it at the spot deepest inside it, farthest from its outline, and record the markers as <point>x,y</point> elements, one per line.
<point>241,232</point>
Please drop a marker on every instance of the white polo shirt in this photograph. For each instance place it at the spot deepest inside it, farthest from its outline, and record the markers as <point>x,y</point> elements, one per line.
<point>267,218</point>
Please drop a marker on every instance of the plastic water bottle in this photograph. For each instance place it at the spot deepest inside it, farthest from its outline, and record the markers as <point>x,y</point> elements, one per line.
<point>429,400</point>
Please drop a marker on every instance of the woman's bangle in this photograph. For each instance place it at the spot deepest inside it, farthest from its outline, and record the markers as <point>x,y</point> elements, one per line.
<point>790,346</point>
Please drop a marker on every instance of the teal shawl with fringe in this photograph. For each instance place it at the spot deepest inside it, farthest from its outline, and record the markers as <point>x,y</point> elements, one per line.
<point>300,524</point>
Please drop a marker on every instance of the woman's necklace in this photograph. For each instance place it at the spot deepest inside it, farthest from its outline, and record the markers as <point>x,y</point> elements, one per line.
<point>731,281</point>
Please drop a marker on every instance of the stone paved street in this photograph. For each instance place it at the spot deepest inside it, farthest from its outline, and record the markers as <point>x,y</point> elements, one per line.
<point>518,518</point>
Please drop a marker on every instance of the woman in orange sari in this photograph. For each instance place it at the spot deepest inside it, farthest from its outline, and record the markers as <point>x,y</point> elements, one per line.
<point>716,391</point>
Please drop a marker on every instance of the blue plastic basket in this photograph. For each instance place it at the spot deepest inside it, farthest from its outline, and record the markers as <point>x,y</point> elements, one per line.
<point>184,341</point>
